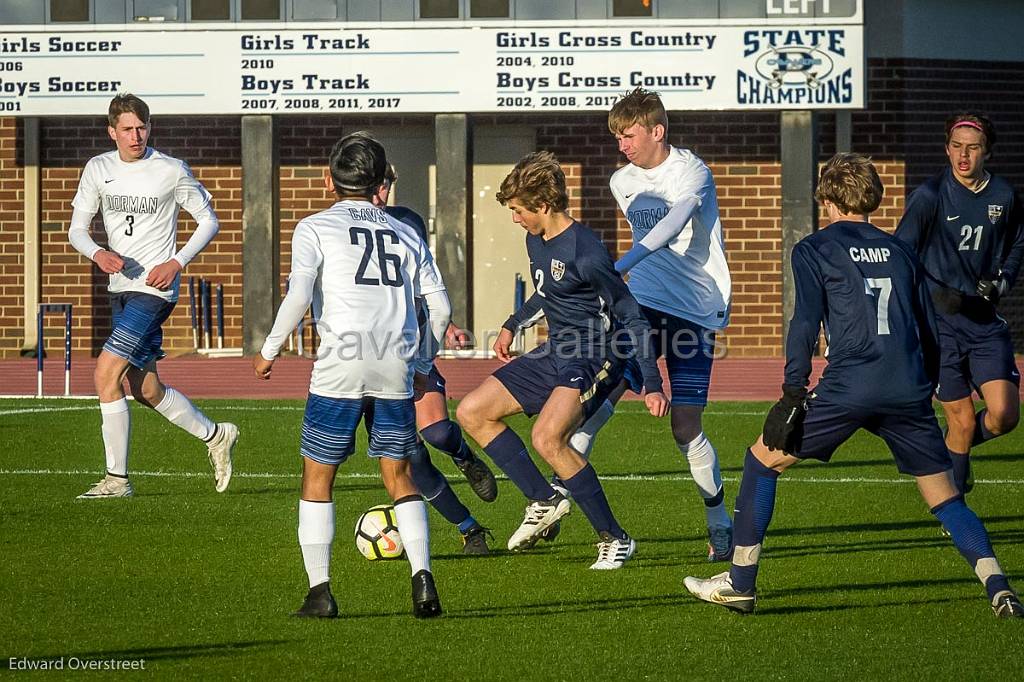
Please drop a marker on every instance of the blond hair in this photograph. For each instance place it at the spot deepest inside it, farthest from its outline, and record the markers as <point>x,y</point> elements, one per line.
<point>851,182</point>
<point>638,106</point>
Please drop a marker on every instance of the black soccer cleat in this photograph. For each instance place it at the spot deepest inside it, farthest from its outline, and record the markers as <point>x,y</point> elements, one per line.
<point>474,540</point>
<point>480,477</point>
<point>1007,605</point>
<point>425,602</point>
<point>319,603</point>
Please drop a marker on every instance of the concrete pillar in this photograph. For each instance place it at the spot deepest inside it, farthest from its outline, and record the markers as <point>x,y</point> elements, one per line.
<point>844,130</point>
<point>32,235</point>
<point>453,142</point>
<point>799,152</point>
<point>261,252</point>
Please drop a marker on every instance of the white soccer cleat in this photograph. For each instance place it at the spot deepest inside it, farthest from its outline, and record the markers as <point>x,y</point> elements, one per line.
<point>718,590</point>
<point>539,517</point>
<point>220,448</point>
<point>612,552</point>
<point>108,487</point>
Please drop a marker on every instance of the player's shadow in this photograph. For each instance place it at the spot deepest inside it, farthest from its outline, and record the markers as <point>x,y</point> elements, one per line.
<point>879,527</point>
<point>163,653</point>
<point>831,608</point>
<point>577,606</point>
<point>839,590</point>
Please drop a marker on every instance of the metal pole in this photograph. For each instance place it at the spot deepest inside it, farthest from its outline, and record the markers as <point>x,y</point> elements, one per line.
<point>220,316</point>
<point>207,314</point>
<point>39,353</point>
<point>192,312</point>
<point>67,350</point>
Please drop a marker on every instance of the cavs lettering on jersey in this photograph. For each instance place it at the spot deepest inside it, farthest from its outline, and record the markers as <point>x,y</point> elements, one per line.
<point>689,277</point>
<point>369,268</point>
<point>868,290</point>
<point>962,236</point>
<point>139,202</point>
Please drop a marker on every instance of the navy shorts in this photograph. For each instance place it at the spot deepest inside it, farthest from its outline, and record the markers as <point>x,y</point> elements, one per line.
<point>435,384</point>
<point>973,352</point>
<point>329,428</point>
<point>532,377</point>
<point>915,440</point>
<point>689,351</point>
<point>137,333</point>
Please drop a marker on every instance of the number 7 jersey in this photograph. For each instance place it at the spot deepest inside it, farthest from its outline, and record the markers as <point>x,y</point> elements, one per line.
<point>868,290</point>
<point>368,268</point>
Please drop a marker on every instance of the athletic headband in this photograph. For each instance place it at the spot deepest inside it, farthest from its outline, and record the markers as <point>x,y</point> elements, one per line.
<point>969,124</point>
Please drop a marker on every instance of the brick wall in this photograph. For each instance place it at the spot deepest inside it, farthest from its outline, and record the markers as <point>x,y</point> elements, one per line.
<point>901,129</point>
<point>11,236</point>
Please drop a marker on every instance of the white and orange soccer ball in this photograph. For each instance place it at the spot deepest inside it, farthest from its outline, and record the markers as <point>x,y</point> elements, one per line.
<point>377,534</point>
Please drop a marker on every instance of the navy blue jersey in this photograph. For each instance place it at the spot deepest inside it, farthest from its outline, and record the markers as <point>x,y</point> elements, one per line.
<point>410,218</point>
<point>962,237</point>
<point>584,299</point>
<point>868,289</point>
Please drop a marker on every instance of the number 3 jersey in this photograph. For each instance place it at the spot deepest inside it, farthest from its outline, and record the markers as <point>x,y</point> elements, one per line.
<point>868,290</point>
<point>369,268</point>
<point>140,202</point>
<point>962,236</point>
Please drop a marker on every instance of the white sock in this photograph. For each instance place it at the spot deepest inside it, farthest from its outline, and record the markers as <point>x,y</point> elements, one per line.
<point>703,460</point>
<point>583,440</point>
<point>180,411</point>
<point>411,516</point>
<point>316,533</point>
<point>117,432</point>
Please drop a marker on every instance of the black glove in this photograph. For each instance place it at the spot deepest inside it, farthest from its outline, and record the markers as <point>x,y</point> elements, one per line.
<point>992,289</point>
<point>785,417</point>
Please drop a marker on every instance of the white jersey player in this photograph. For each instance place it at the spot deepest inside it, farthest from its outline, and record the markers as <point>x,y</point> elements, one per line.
<point>678,273</point>
<point>139,192</point>
<point>362,271</point>
<point>677,265</point>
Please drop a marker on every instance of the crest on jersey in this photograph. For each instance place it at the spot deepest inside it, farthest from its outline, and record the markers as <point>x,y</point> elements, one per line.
<point>995,212</point>
<point>557,269</point>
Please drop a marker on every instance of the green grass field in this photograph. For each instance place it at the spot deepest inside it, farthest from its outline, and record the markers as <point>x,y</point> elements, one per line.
<point>856,580</point>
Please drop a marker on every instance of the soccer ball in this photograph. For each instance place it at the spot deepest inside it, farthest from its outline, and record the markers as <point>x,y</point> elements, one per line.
<point>377,534</point>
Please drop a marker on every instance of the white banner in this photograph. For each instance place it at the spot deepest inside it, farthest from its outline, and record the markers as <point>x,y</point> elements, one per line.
<point>434,70</point>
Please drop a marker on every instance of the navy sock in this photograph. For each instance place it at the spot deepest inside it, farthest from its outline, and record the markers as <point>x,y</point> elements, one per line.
<point>434,488</point>
<point>467,524</point>
<point>446,436</point>
<point>981,432</point>
<point>961,469</point>
<point>587,492</point>
<point>971,538</point>
<point>755,504</point>
<point>509,453</point>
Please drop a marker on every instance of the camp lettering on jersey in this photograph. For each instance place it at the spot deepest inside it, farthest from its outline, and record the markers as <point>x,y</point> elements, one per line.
<point>868,290</point>
<point>871,255</point>
<point>130,204</point>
